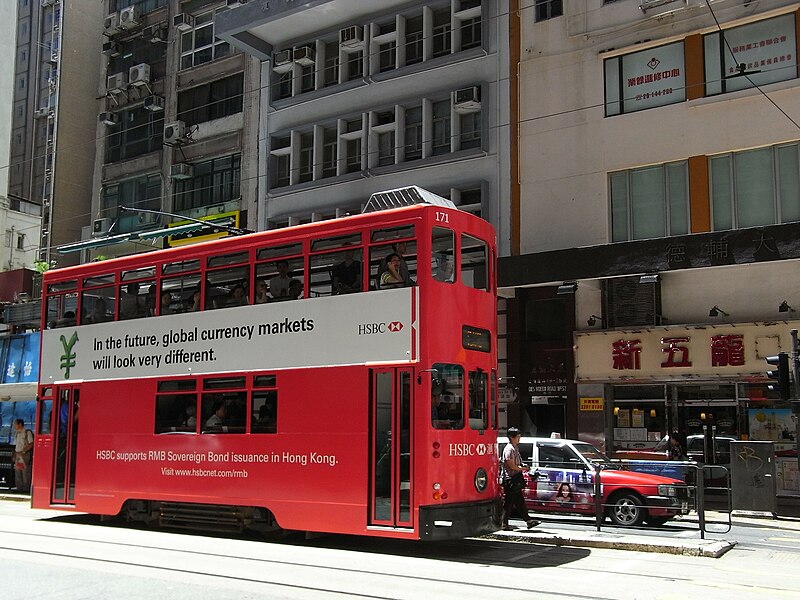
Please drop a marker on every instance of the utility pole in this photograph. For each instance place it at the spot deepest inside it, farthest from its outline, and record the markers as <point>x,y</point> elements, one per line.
<point>796,393</point>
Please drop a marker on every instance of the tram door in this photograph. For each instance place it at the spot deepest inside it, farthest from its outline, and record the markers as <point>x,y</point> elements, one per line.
<point>390,448</point>
<point>66,444</point>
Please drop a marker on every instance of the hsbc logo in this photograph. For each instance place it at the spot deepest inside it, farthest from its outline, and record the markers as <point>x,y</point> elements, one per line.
<point>376,328</point>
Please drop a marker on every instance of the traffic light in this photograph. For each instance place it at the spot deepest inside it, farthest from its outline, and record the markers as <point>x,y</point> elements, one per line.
<point>781,374</point>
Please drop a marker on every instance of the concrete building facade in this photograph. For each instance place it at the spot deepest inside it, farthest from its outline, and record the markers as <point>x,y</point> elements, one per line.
<point>657,217</point>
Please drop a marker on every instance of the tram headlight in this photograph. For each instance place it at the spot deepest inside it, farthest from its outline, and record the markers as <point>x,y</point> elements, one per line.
<point>481,479</point>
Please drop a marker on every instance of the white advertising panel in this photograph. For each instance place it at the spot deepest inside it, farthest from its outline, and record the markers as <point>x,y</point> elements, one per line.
<point>336,330</point>
<point>646,79</point>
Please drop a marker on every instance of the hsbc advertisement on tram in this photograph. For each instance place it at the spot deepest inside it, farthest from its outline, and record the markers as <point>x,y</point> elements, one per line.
<point>275,336</point>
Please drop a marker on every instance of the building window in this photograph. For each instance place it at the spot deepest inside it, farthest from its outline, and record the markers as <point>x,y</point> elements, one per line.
<point>413,133</point>
<point>137,192</point>
<point>471,33</point>
<point>21,241</point>
<point>547,9</point>
<point>305,171</point>
<point>137,131</point>
<point>442,32</point>
<point>755,187</point>
<point>211,101</point>
<point>353,156</point>
<point>330,65</point>
<point>470,124</point>
<point>766,49</point>
<point>355,65</point>
<point>145,6</point>
<point>414,40</point>
<point>214,181</point>
<point>651,202</point>
<point>441,127</point>
<point>330,141</point>
<point>137,51</point>
<point>645,79</point>
<point>386,148</point>
<point>199,45</point>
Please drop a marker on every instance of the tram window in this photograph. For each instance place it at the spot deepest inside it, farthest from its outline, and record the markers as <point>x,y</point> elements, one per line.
<point>339,241</point>
<point>442,252</point>
<point>99,280</point>
<point>62,286</point>
<point>236,258</point>
<point>264,417</point>
<point>336,272</point>
<point>182,266</point>
<point>378,260</point>
<point>138,274</point>
<point>493,402</point>
<point>45,416</point>
<point>447,396</point>
<point>97,305</point>
<point>61,310</point>
<point>223,383</point>
<point>227,288</point>
<point>176,412</point>
<point>285,278</point>
<point>478,400</point>
<point>284,251</point>
<point>135,298</point>
<point>262,381</point>
<point>178,294</point>
<point>224,412</point>
<point>474,262</point>
<point>392,233</point>
<point>177,385</point>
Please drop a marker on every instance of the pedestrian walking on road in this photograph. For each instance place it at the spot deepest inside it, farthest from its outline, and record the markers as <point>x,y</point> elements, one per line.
<point>513,481</point>
<point>23,453</point>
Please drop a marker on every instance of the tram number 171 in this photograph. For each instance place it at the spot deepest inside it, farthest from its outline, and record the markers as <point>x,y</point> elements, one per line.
<point>442,217</point>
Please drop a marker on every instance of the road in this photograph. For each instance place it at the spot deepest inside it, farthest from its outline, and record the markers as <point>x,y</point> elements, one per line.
<point>64,556</point>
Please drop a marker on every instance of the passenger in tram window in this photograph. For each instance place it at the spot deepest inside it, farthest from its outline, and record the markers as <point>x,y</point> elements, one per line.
<point>216,422</point>
<point>295,289</point>
<point>98,314</point>
<point>266,419</point>
<point>444,269</point>
<point>166,304</point>
<point>262,292</point>
<point>150,302</point>
<point>130,306</point>
<point>190,422</point>
<point>195,304</point>
<point>347,275</point>
<point>392,277</point>
<point>279,284</point>
<point>238,296</point>
<point>68,320</point>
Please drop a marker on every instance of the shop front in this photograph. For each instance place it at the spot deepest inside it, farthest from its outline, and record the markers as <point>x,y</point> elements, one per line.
<point>707,383</point>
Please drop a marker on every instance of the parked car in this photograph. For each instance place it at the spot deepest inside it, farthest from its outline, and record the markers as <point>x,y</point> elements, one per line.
<point>562,475</point>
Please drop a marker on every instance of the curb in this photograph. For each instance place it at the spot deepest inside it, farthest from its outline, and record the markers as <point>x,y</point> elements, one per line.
<point>706,548</point>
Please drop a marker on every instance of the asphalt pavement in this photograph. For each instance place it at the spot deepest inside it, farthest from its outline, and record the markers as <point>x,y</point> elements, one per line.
<point>687,541</point>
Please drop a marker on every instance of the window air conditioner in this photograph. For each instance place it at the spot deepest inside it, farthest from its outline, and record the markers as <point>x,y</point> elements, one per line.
<point>111,24</point>
<point>155,33</point>
<point>139,74</point>
<point>647,4</point>
<point>304,55</point>
<point>351,37</point>
<point>183,22</point>
<point>111,49</point>
<point>117,82</point>
<point>282,61</point>
<point>41,113</point>
<point>181,171</point>
<point>235,3</point>
<point>154,103</point>
<point>48,2</point>
<point>174,132</point>
<point>467,99</point>
<point>107,118</point>
<point>101,226</point>
<point>129,17</point>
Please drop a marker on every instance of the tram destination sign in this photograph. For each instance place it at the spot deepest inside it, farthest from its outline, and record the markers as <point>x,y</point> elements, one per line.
<point>315,332</point>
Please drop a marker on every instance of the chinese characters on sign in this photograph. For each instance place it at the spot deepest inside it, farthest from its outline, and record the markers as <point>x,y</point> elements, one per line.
<point>726,351</point>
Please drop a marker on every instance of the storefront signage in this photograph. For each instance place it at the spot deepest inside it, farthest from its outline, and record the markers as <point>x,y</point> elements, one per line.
<point>680,353</point>
<point>590,404</point>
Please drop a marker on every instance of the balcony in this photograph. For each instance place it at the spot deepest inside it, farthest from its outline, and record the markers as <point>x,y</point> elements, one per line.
<point>259,27</point>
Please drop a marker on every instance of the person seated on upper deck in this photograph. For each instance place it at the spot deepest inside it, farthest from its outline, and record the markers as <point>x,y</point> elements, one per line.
<point>347,275</point>
<point>238,296</point>
<point>98,314</point>
<point>295,289</point>
<point>190,422</point>
<point>129,305</point>
<point>262,292</point>
<point>279,284</point>
<point>392,277</point>
<point>166,304</point>
<point>194,304</point>
<point>443,270</point>
<point>216,422</point>
<point>265,423</point>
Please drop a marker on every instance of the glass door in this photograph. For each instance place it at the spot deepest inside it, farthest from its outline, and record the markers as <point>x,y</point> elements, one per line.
<point>390,448</point>
<point>66,444</point>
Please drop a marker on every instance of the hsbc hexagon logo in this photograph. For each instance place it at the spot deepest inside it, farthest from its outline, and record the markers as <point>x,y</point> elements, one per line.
<point>376,328</point>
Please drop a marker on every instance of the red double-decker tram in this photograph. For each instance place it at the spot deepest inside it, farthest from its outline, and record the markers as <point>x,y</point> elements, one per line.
<point>334,377</point>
